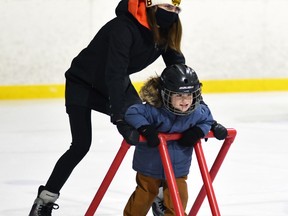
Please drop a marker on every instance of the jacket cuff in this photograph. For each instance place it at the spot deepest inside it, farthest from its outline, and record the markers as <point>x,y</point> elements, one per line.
<point>116,117</point>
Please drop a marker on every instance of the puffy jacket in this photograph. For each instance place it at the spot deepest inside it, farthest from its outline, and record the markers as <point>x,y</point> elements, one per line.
<point>99,75</point>
<point>147,160</point>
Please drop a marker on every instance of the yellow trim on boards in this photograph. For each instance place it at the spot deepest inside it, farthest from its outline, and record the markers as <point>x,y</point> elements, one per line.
<point>243,85</point>
<point>32,92</point>
<point>209,86</point>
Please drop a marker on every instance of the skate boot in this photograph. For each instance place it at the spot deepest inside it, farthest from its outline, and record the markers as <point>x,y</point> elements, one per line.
<point>44,203</point>
<point>158,207</point>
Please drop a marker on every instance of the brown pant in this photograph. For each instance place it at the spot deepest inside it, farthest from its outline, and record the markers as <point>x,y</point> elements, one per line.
<point>147,189</point>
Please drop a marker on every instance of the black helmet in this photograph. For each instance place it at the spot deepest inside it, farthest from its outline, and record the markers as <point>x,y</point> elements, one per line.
<point>179,78</point>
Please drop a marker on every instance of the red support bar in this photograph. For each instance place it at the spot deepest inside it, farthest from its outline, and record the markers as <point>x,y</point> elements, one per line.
<point>169,172</point>
<point>214,169</point>
<point>206,179</point>
<point>108,178</point>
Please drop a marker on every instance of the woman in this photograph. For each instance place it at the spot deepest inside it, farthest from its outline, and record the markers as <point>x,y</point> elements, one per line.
<point>98,79</point>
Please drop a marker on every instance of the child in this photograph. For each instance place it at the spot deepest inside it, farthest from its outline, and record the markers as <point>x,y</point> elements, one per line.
<point>172,106</point>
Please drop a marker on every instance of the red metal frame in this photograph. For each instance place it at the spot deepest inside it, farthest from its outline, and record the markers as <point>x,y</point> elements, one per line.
<point>108,178</point>
<point>207,176</point>
<point>210,176</point>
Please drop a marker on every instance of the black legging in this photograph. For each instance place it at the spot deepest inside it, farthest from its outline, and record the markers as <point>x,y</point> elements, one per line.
<point>81,130</point>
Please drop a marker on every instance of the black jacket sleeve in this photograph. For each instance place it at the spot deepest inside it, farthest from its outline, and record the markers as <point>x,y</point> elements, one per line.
<point>173,57</point>
<point>116,76</point>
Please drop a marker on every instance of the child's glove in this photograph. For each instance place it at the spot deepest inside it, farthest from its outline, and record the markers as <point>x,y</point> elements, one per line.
<point>219,131</point>
<point>191,136</point>
<point>151,135</point>
<point>129,133</point>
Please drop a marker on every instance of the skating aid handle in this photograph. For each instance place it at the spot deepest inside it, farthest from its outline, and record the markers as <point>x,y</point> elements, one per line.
<point>168,171</point>
<point>176,136</point>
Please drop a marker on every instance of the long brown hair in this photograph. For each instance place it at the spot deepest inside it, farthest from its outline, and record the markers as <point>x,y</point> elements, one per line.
<point>165,38</point>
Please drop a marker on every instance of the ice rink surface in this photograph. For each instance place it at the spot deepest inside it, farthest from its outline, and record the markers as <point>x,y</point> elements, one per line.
<point>253,180</point>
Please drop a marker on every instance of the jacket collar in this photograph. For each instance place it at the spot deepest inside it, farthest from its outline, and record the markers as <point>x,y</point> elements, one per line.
<point>138,9</point>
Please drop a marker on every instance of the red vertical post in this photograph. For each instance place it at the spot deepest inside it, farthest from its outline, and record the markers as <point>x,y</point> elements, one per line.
<point>206,179</point>
<point>214,169</point>
<point>170,177</point>
<point>108,178</point>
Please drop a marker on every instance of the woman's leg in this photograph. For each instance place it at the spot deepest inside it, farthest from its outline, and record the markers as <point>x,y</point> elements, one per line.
<point>81,131</point>
<point>80,123</point>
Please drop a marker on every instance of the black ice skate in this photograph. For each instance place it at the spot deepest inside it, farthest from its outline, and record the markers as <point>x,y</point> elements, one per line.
<point>44,203</point>
<point>158,207</point>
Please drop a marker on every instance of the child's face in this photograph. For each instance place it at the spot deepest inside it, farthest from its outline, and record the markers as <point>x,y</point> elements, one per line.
<point>182,101</point>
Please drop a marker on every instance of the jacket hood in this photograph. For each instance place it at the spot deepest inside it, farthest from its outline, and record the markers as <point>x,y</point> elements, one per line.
<point>150,92</point>
<point>135,7</point>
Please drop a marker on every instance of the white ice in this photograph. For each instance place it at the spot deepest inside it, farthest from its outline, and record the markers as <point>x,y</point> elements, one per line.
<point>253,180</point>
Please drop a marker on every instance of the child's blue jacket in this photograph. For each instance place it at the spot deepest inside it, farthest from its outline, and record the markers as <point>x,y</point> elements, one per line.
<point>147,160</point>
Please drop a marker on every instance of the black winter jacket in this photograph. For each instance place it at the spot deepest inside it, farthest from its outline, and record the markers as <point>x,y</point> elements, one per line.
<point>98,77</point>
